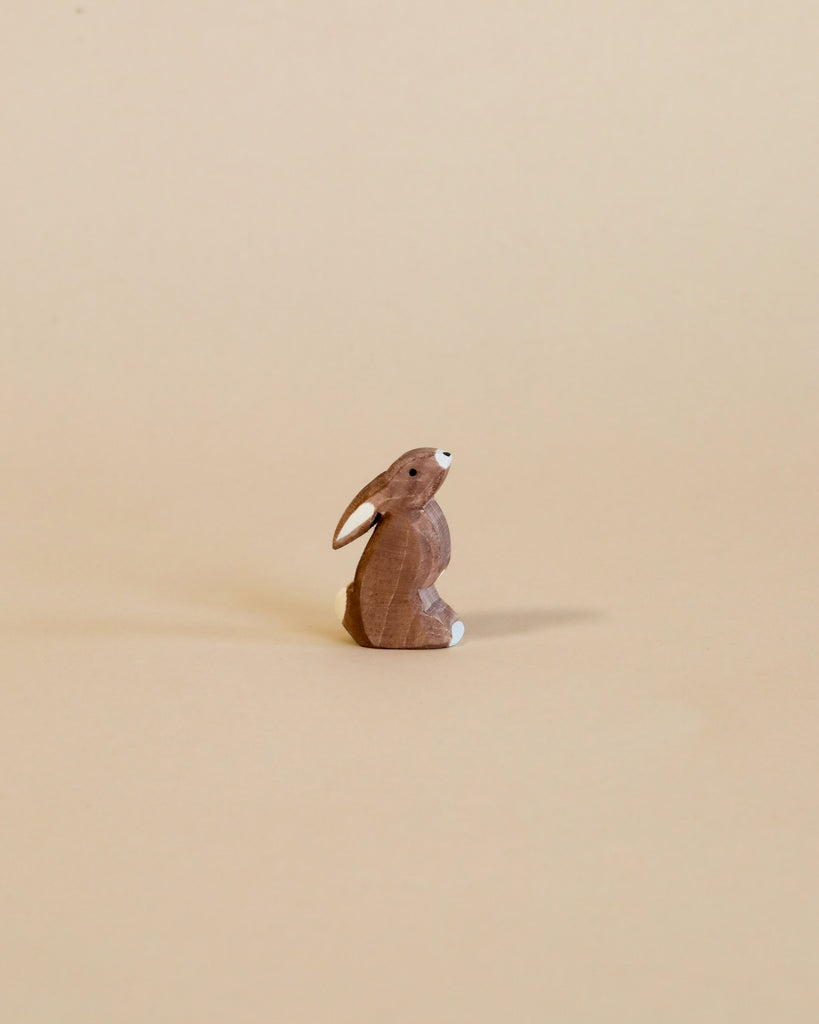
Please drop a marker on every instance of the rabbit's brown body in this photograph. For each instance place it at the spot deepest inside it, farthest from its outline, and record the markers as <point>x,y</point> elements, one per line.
<point>393,602</point>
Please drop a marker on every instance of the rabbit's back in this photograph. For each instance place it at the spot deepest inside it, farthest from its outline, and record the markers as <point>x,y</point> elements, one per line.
<point>392,600</point>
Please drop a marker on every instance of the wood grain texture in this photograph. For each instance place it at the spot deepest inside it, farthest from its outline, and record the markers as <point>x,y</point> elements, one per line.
<point>392,602</point>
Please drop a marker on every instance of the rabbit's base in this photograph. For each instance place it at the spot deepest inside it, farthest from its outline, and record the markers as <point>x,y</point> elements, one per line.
<point>417,630</point>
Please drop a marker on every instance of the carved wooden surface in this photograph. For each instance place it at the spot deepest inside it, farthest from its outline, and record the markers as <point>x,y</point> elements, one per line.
<point>393,601</point>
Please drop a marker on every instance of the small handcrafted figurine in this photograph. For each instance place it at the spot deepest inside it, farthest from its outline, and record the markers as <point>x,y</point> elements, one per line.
<point>392,602</point>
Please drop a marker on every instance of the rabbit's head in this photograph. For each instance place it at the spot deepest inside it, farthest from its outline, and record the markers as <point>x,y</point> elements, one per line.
<point>407,485</point>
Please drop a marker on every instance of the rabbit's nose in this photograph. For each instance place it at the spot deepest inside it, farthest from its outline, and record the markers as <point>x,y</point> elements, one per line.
<point>443,458</point>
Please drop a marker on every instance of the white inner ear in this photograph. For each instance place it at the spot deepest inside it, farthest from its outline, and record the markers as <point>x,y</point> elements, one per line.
<point>359,516</point>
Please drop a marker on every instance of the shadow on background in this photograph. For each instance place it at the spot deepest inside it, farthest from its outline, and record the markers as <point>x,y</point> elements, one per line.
<point>238,610</point>
<point>115,626</point>
<point>294,613</point>
<point>490,625</point>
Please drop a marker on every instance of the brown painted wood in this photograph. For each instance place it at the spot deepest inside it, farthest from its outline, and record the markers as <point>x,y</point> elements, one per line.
<point>392,602</point>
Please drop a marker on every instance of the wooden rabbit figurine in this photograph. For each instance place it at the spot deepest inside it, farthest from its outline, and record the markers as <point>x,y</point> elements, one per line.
<point>392,602</point>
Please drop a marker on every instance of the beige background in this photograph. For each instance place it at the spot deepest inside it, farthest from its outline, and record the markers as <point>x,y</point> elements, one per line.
<point>253,251</point>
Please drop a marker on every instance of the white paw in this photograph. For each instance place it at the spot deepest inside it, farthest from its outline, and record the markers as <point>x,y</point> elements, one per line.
<point>457,632</point>
<point>340,603</point>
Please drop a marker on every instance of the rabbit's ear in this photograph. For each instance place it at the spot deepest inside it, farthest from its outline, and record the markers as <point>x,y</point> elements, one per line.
<point>362,512</point>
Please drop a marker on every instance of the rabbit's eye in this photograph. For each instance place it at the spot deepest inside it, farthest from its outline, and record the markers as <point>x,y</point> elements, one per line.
<point>413,472</point>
